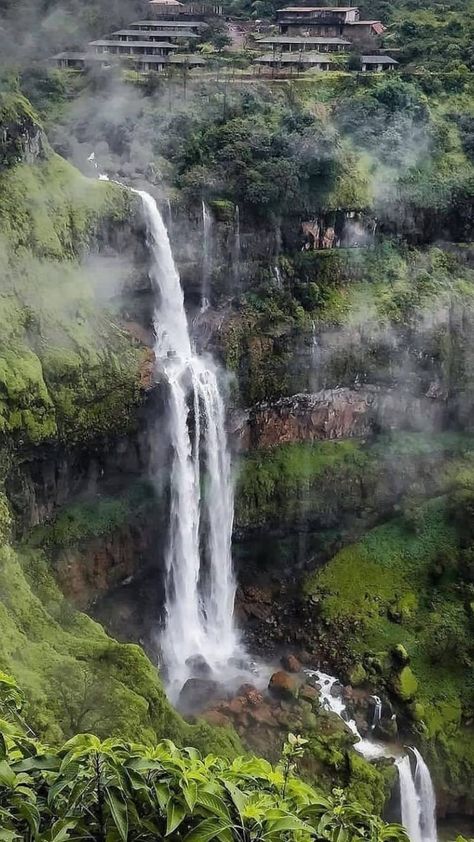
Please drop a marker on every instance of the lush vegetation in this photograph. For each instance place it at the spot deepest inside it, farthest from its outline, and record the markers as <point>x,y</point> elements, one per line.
<point>114,790</point>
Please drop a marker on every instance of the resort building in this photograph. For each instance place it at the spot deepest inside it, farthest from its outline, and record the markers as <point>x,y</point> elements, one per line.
<point>376,64</point>
<point>298,43</point>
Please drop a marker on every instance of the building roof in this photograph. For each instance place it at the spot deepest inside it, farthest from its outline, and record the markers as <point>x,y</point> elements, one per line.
<point>310,57</point>
<point>317,8</point>
<point>156,45</point>
<point>378,60</point>
<point>377,25</point>
<point>301,39</point>
<point>174,24</point>
<point>174,33</point>
<point>165,3</point>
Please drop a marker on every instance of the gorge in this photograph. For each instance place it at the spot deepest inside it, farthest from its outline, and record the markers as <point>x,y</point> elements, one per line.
<point>236,455</point>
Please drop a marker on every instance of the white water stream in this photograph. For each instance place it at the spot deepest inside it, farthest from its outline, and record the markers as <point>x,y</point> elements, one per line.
<point>417,798</point>
<point>206,256</point>
<point>200,585</point>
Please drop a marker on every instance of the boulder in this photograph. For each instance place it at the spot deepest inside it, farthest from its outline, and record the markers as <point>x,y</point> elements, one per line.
<point>405,684</point>
<point>290,663</point>
<point>198,665</point>
<point>400,654</point>
<point>283,685</point>
<point>309,693</point>
<point>196,693</point>
<point>357,675</point>
<point>250,695</point>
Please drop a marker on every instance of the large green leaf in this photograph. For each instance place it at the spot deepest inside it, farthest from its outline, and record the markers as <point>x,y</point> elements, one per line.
<point>175,813</point>
<point>208,829</point>
<point>118,810</point>
<point>7,775</point>
<point>214,803</point>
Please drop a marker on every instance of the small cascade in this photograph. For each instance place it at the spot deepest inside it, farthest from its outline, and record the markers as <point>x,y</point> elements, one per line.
<point>236,250</point>
<point>377,712</point>
<point>206,269</point>
<point>333,701</point>
<point>169,216</point>
<point>417,799</point>
<point>277,276</point>
<point>200,586</point>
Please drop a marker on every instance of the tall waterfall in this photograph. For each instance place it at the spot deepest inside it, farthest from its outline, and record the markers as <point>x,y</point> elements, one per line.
<point>417,799</point>
<point>200,585</point>
<point>206,256</point>
<point>426,794</point>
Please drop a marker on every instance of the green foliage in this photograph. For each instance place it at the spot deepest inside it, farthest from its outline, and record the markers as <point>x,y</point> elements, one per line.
<point>66,369</point>
<point>97,790</point>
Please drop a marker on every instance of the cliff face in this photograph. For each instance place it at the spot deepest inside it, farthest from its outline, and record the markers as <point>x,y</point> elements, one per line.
<point>340,413</point>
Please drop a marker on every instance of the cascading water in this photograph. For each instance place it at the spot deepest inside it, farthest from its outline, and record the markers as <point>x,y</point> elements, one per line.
<point>377,712</point>
<point>333,701</point>
<point>417,799</point>
<point>200,585</point>
<point>206,256</point>
<point>426,794</point>
<point>409,801</point>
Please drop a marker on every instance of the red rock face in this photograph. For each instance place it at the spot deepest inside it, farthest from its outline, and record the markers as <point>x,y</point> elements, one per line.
<point>335,414</point>
<point>86,573</point>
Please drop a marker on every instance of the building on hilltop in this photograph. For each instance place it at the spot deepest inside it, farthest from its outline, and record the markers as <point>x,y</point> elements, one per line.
<point>305,32</point>
<point>297,43</point>
<point>376,64</point>
<point>329,21</point>
<point>295,61</point>
<point>145,45</point>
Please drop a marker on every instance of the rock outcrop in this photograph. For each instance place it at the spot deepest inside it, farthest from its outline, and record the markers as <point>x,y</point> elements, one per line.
<point>336,414</point>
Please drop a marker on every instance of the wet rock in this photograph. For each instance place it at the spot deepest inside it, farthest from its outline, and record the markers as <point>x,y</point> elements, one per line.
<point>198,665</point>
<point>309,693</point>
<point>283,685</point>
<point>216,718</point>
<point>291,663</point>
<point>336,690</point>
<point>263,715</point>
<point>250,694</point>
<point>386,729</point>
<point>197,693</point>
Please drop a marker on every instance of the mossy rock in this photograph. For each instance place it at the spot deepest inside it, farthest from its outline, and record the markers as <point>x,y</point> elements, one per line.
<point>405,684</point>
<point>400,654</point>
<point>357,675</point>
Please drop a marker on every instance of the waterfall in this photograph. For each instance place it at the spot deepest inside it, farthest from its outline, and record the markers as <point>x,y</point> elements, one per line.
<point>377,712</point>
<point>207,256</point>
<point>200,585</point>
<point>409,801</point>
<point>236,251</point>
<point>426,794</point>
<point>417,799</point>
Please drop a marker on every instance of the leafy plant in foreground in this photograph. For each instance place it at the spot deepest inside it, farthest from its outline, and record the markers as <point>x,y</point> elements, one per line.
<point>111,791</point>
